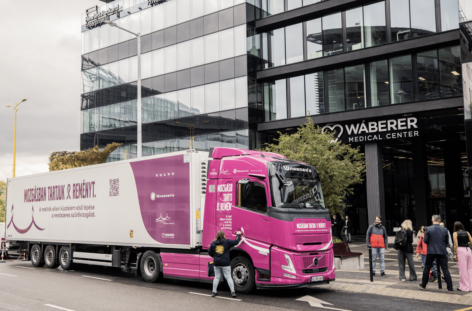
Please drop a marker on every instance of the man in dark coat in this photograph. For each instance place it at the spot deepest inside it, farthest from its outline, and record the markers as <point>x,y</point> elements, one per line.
<point>348,228</point>
<point>437,239</point>
<point>336,224</point>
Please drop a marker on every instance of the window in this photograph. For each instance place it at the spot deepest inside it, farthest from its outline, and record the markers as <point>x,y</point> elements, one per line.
<point>294,43</point>
<point>465,10</point>
<point>332,34</point>
<point>293,4</point>
<point>375,26</point>
<point>157,17</point>
<point>240,85</point>
<point>146,22</point>
<point>104,36</point>
<point>146,66</point>
<point>314,39</point>
<point>450,71</point>
<point>354,29</point>
<point>124,70</point>
<point>449,16</point>
<point>170,58</point>
<point>157,62</point>
<point>401,80</point>
<point>227,95</point>
<point>183,11</point>
<point>226,41</point>
<point>278,47</point>
<point>211,48</point>
<point>428,75</point>
<point>183,57</point>
<point>297,97</point>
<point>198,99</point>
<point>135,22</point>
<point>336,90</point>
<point>314,93</point>
<point>198,55</point>
<point>275,6</point>
<point>212,97</point>
<point>252,195</point>
<point>355,87</point>
<point>379,88</point>
<point>400,20</point>
<point>197,8</point>
<point>423,17</point>
<point>211,6</point>
<point>170,8</point>
<point>240,40</point>
<point>279,105</point>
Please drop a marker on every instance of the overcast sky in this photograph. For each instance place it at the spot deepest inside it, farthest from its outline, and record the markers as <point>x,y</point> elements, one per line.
<point>40,47</point>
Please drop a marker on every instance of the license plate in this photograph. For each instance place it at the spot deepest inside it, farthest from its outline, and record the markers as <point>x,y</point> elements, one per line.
<point>316,278</point>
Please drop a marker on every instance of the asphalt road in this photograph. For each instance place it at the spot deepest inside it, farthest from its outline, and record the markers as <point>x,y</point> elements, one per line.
<point>24,287</point>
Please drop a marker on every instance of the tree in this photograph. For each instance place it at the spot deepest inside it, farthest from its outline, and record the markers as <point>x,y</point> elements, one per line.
<point>339,165</point>
<point>63,160</point>
<point>3,200</point>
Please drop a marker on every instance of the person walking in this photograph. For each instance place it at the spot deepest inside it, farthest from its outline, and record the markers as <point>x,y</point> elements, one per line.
<point>377,239</point>
<point>219,250</point>
<point>436,238</point>
<point>405,251</point>
<point>336,225</point>
<point>462,240</point>
<point>348,229</point>
<point>422,249</point>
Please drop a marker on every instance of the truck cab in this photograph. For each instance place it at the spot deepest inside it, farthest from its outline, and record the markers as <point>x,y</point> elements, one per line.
<point>278,206</point>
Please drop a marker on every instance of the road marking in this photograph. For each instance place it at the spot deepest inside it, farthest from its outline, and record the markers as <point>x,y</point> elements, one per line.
<point>315,302</point>
<point>8,275</point>
<point>92,277</point>
<point>235,299</point>
<point>465,309</point>
<point>25,267</point>
<point>60,308</point>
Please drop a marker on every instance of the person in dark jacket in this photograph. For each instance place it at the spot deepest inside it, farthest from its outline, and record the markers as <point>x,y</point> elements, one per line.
<point>437,239</point>
<point>348,229</point>
<point>406,252</point>
<point>377,239</point>
<point>336,224</point>
<point>219,250</point>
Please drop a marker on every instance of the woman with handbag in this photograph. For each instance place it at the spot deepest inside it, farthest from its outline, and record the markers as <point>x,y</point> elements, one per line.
<point>462,240</point>
<point>405,252</point>
<point>219,250</point>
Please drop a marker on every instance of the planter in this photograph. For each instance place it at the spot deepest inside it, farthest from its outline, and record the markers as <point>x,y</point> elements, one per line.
<point>344,259</point>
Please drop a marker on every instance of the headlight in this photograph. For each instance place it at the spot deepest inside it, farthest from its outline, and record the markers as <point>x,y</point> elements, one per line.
<point>289,267</point>
<point>290,276</point>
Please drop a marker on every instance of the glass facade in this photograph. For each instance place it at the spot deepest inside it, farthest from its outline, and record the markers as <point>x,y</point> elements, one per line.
<point>365,27</point>
<point>390,81</point>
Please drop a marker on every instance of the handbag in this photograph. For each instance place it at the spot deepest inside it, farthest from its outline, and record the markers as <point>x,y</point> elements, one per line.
<point>211,269</point>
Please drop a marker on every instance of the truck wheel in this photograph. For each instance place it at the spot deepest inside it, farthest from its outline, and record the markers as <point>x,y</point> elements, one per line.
<point>65,258</point>
<point>36,256</point>
<point>50,257</point>
<point>150,266</point>
<point>242,272</point>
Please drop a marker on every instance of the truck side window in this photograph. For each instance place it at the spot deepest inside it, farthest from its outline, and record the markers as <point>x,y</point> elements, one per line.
<point>252,195</point>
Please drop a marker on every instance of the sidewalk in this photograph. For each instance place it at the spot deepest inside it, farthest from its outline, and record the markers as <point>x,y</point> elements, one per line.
<point>359,281</point>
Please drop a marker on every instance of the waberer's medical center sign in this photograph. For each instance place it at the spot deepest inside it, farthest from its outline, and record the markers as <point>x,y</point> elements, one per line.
<point>375,130</point>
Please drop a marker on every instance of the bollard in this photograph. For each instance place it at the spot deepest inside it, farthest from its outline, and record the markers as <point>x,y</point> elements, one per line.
<point>370,265</point>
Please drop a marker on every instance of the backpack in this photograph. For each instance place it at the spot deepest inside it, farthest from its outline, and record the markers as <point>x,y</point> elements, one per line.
<point>401,239</point>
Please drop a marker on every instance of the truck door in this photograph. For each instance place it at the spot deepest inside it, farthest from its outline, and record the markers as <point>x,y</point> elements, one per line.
<point>250,210</point>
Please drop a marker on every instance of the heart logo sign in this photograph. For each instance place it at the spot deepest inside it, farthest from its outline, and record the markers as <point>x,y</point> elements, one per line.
<point>332,129</point>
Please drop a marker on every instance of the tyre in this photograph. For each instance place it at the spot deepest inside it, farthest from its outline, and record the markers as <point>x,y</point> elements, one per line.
<point>242,272</point>
<point>36,256</point>
<point>50,257</point>
<point>65,258</point>
<point>150,266</point>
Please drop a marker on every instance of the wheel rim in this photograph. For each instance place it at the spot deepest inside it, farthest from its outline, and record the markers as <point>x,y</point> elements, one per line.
<point>65,257</point>
<point>50,257</point>
<point>240,274</point>
<point>150,266</point>
<point>35,255</point>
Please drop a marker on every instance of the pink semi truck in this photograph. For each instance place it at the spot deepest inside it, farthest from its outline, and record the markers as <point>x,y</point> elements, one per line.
<point>158,216</point>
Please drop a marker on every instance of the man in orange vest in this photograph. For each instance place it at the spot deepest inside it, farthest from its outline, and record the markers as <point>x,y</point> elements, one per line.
<point>377,240</point>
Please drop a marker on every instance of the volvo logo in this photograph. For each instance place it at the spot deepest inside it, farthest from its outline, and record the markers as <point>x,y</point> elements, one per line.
<point>316,262</point>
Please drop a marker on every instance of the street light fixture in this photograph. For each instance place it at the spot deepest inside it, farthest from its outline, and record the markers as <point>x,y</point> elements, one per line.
<point>138,36</point>
<point>15,108</point>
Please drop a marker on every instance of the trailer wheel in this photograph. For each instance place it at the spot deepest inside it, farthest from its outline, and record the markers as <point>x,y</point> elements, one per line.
<point>65,258</point>
<point>150,266</point>
<point>36,256</point>
<point>50,257</point>
<point>242,273</point>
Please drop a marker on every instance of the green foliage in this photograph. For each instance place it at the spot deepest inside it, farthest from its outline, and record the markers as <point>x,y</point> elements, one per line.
<point>3,200</point>
<point>336,240</point>
<point>339,165</point>
<point>63,160</point>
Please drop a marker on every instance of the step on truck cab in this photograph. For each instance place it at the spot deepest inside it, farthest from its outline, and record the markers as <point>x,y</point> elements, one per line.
<point>157,217</point>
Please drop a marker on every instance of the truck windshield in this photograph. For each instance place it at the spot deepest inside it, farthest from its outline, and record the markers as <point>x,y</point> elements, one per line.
<point>295,185</point>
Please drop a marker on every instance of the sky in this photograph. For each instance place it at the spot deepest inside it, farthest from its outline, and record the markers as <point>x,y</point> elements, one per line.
<point>39,60</point>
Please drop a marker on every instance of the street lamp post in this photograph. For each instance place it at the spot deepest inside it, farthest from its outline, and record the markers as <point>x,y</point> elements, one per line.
<point>138,36</point>
<point>15,108</point>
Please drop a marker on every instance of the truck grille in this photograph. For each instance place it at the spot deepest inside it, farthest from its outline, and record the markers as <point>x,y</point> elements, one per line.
<point>308,262</point>
<point>310,271</point>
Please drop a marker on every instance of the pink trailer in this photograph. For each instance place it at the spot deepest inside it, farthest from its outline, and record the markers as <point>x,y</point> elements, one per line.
<point>157,216</point>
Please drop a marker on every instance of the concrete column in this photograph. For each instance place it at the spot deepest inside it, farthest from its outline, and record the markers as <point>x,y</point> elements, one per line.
<point>374,182</point>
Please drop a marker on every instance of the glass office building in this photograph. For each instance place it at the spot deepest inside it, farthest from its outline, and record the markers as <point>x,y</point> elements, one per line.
<point>235,73</point>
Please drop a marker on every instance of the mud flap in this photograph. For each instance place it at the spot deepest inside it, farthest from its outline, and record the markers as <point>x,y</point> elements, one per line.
<point>138,268</point>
